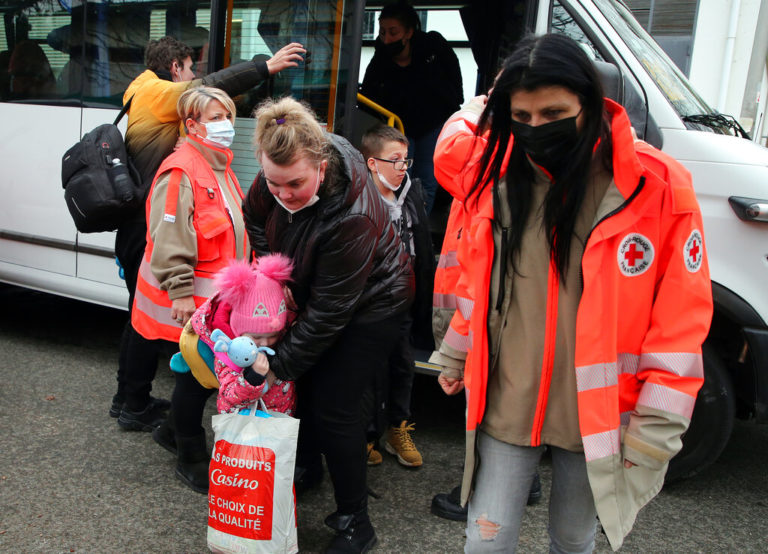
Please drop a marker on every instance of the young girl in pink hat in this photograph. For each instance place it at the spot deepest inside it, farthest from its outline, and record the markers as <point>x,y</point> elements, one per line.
<point>251,301</point>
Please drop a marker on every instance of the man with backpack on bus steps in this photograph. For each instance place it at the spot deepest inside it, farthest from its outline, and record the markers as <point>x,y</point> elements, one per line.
<point>153,131</point>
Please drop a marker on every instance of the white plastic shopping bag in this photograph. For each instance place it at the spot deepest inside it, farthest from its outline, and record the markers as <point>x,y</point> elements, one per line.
<point>251,503</point>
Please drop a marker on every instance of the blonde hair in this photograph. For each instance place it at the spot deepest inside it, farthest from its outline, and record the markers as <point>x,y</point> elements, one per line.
<point>287,129</point>
<point>194,102</point>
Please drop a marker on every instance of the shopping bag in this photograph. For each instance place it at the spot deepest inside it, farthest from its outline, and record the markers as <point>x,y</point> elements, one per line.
<point>251,503</point>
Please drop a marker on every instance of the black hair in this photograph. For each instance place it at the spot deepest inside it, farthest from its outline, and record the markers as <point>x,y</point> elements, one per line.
<point>404,13</point>
<point>547,60</point>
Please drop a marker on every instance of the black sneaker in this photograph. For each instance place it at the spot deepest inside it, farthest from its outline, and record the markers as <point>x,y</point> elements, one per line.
<point>117,406</point>
<point>118,401</point>
<point>147,420</point>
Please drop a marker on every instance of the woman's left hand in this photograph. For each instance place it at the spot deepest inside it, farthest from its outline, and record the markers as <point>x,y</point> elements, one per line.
<point>182,309</point>
<point>628,464</point>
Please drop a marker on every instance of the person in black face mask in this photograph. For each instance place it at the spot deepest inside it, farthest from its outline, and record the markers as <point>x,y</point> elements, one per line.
<point>568,221</point>
<point>415,75</point>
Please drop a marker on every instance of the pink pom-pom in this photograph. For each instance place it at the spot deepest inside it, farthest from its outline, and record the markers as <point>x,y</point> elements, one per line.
<point>275,266</point>
<point>235,280</point>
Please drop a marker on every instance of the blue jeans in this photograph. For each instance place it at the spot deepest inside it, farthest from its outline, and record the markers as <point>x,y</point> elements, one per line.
<point>502,484</point>
<point>422,150</point>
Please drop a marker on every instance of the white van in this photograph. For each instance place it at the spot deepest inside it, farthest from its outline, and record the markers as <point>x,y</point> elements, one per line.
<point>85,54</point>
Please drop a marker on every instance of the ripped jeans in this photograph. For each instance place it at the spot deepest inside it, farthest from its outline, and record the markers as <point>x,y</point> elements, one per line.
<point>502,484</point>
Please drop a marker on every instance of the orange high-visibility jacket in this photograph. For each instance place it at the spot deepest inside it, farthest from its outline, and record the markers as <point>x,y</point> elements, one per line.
<point>216,242</point>
<point>645,310</point>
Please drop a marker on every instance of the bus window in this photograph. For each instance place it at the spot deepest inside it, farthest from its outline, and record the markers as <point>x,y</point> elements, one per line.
<point>262,27</point>
<point>89,52</point>
<point>29,67</point>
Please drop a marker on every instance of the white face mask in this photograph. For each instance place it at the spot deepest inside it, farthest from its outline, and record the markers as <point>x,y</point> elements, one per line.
<point>220,132</point>
<point>384,181</point>
<point>311,202</point>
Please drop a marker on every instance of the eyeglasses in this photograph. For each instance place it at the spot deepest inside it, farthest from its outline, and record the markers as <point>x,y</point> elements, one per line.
<point>398,165</point>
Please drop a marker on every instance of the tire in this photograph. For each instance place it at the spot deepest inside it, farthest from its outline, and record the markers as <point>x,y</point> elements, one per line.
<point>712,421</point>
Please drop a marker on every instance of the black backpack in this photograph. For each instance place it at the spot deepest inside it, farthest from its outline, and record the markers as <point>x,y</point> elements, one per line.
<point>99,180</point>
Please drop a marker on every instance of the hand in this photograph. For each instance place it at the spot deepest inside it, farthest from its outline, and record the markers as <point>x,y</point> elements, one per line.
<point>287,56</point>
<point>182,309</point>
<point>450,385</point>
<point>271,378</point>
<point>481,100</point>
<point>628,464</point>
<point>261,365</point>
<point>290,303</point>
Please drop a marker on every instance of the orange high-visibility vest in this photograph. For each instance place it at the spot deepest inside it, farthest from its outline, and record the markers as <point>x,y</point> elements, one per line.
<point>216,242</point>
<point>644,313</point>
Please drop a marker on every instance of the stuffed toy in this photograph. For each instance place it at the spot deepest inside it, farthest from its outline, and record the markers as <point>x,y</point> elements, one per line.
<point>242,351</point>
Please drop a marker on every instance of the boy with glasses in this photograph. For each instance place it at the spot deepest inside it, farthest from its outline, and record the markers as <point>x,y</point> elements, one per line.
<point>385,150</point>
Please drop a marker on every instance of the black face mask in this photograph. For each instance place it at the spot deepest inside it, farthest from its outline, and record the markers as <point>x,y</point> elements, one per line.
<point>390,50</point>
<point>548,145</point>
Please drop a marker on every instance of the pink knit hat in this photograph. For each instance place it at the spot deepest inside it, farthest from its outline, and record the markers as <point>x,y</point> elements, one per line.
<point>255,292</point>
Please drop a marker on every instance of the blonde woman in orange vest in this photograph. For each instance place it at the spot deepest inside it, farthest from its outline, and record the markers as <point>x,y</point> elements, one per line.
<point>195,226</point>
<point>584,298</point>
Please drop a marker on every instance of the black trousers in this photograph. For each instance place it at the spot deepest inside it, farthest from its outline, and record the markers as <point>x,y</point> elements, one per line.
<point>401,373</point>
<point>137,363</point>
<point>329,406</point>
<point>187,403</point>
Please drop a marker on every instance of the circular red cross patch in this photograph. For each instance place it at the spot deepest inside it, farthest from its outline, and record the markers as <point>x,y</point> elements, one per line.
<point>635,254</point>
<point>693,251</point>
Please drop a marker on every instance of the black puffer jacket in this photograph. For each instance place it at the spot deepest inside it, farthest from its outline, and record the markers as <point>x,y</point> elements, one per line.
<point>349,262</point>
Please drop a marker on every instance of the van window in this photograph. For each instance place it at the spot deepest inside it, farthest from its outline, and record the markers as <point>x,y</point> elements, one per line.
<point>667,76</point>
<point>564,24</point>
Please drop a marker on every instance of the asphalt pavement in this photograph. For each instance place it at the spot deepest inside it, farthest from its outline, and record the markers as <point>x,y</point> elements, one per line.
<point>72,481</point>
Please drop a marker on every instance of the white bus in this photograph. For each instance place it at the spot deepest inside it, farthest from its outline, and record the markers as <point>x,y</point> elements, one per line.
<point>65,64</point>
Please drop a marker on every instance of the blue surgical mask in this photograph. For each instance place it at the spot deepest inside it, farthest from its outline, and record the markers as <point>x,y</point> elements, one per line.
<point>220,132</point>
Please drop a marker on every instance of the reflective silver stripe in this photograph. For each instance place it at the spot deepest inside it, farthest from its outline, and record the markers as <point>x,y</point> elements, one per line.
<point>596,376</point>
<point>458,125</point>
<point>456,341</point>
<point>465,306</point>
<point>147,275</point>
<point>449,259</point>
<point>628,363</point>
<point>204,286</point>
<point>447,301</point>
<point>666,399</point>
<point>601,445</point>
<point>160,314</point>
<point>683,364</point>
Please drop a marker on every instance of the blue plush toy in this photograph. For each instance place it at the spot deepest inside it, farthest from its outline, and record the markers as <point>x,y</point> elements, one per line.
<point>241,350</point>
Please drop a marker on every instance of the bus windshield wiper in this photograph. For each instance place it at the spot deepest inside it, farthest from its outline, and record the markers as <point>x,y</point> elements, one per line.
<point>722,123</point>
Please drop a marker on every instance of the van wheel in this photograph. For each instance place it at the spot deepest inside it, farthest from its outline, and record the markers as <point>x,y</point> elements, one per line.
<point>712,420</point>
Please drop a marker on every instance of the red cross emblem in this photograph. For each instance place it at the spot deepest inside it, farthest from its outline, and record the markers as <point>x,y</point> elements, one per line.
<point>635,254</point>
<point>693,252</point>
<point>632,255</point>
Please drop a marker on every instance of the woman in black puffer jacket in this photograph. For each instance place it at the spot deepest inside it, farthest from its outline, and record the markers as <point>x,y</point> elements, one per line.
<point>352,286</point>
